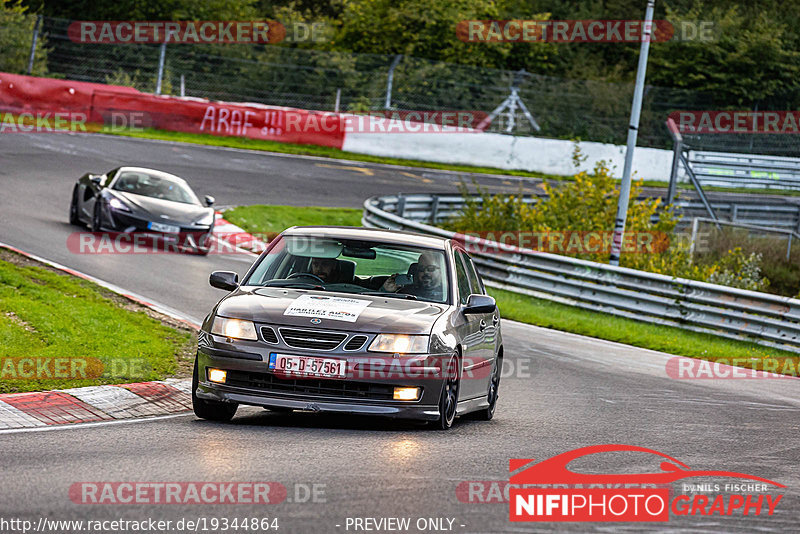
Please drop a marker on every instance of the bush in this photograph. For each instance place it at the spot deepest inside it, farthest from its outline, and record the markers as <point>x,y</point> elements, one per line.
<point>588,203</point>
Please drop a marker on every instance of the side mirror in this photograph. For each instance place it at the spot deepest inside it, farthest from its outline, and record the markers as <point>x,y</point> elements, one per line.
<point>96,179</point>
<point>209,200</point>
<point>480,304</point>
<point>226,280</point>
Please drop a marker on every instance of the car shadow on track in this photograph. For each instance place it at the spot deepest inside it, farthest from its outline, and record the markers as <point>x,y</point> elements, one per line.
<point>309,420</point>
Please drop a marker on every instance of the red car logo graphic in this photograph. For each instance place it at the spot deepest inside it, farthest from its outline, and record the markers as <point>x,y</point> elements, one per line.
<point>554,470</point>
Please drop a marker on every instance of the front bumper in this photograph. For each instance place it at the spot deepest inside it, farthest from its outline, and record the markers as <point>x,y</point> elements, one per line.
<point>251,382</point>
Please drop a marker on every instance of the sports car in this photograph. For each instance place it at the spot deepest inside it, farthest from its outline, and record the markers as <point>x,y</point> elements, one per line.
<point>352,320</point>
<point>136,199</point>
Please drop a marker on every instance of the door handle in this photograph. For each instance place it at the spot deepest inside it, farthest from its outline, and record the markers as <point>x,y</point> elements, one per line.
<point>483,325</point>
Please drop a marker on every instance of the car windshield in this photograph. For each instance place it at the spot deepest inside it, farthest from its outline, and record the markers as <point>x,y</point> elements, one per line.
<point>359,267</point>
<point>148,185</point>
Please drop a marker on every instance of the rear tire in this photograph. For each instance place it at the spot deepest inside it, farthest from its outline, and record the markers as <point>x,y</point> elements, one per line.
<point>487,414</point>
<point>73,208</point>
<point>210,410</point>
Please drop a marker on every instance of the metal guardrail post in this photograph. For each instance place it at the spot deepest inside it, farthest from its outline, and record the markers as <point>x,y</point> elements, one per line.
<point>36,27</point>
<point>401,205</point>
<point>677,149</point>
<point>390,80</point>
<point>434,210</point>
<point>161,57</point>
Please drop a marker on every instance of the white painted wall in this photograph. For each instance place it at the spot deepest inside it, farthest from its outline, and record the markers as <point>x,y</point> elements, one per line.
<point>552,156</point>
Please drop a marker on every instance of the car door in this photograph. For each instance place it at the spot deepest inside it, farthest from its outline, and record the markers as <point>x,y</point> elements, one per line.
<point>470,337</point>
<point>487,329</point>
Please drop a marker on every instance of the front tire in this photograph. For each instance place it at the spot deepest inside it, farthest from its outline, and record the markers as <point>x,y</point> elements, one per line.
<point>97,223</point>
<point>210,410</point>
<point>448,400</point>
<point>73,208</point>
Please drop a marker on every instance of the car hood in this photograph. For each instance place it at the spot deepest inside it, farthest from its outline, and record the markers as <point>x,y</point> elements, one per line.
<point>388,315</point>
<point>176,212</point>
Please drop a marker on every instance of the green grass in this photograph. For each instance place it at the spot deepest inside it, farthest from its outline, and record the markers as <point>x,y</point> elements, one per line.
<point>527,309</point>
<point>266,219</point>
<point>46,317</point>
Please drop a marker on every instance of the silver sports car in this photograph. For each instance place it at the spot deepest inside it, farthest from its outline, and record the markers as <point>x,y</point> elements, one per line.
<point>136,199</point>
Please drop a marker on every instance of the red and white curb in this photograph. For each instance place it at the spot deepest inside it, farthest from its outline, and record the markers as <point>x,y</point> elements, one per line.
<point>95,403</point>
<point>236,237</point>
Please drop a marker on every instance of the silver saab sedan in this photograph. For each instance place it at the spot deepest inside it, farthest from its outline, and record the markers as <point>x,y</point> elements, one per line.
<point>352,320</point>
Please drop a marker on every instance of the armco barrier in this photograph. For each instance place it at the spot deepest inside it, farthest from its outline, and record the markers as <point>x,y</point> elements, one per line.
<point>762,318</point>
<point>27,94</point>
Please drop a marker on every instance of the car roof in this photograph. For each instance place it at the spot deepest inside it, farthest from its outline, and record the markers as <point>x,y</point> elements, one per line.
<point>374,234</point>
<point>154,172</point>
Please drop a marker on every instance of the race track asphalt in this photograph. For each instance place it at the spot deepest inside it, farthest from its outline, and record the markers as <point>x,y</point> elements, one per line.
<point>559,392</point>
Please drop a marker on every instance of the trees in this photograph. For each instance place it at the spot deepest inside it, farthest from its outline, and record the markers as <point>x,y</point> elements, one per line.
<point>16,32</point>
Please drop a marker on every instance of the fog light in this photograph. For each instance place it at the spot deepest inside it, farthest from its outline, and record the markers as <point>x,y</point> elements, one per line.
<point>217,375</point>
<point>406,394</point>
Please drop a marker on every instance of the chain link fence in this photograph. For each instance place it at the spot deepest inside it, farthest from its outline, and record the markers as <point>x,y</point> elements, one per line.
<point>335,81</point>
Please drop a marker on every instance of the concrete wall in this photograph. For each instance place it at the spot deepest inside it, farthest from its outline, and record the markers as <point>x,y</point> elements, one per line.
<point>552,156</point>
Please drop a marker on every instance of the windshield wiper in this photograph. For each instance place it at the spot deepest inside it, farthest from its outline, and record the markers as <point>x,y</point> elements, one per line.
<point>294,285</point>
<point>387,294</point>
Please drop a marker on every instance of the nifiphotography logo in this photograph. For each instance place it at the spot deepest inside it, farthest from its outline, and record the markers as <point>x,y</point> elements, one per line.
<point>549,491</point>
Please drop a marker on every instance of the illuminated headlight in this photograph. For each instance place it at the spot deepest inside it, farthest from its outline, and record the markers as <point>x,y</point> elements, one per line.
<point>117,204</point>
<point>217,375</point>
<point>235,328</point>
<point>205,220</point>
<point>401,343</point>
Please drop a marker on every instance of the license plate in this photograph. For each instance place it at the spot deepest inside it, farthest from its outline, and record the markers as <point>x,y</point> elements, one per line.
<point>166,228</point>
<point>307,365</point>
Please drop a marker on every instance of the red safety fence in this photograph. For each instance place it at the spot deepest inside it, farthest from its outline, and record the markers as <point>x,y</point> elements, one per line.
<point>119,106</point>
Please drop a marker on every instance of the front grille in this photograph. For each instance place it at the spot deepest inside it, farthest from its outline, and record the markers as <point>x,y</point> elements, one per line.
<point>269,335</point>
<point>311,339</point>
<point>355,343</point>
<point>309,386</point>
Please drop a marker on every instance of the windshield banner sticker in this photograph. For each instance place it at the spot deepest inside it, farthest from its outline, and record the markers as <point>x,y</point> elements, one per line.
<point>338,308</point>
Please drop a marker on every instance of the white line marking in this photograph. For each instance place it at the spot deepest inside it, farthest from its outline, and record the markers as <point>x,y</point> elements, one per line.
<point>97,423</point>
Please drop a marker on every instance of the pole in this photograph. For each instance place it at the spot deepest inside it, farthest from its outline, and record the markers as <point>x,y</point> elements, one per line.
<point>161,67</point>
<point>183,86</point>
<point>338,100</point>
<point>633,130</point>
<point>397,59</point>
<point>32,55</point>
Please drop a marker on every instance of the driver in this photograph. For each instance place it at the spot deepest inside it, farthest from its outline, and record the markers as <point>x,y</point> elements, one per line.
<point>324,268</point>
<point>427,284</point>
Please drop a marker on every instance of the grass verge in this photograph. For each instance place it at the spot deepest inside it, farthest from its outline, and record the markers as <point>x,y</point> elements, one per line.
<point>58,331</point>
<point>672,340</point>
<point>526,309</point>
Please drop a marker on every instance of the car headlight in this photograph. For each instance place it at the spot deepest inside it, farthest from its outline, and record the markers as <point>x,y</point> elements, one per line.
<point>206,220</point>
<point>400,343</point>
<point>235,328</point>
<point>117,204</point>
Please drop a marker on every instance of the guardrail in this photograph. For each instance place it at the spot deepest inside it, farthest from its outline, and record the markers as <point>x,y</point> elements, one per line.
<point>762,318</point>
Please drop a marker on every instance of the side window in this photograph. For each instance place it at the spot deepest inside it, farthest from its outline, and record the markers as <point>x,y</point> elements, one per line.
<point>462,280</point>
<point>475,281</point>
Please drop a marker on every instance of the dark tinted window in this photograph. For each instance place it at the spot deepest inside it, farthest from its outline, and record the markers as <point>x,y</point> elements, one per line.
<point>475,282</point>
<point>462,280</point>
